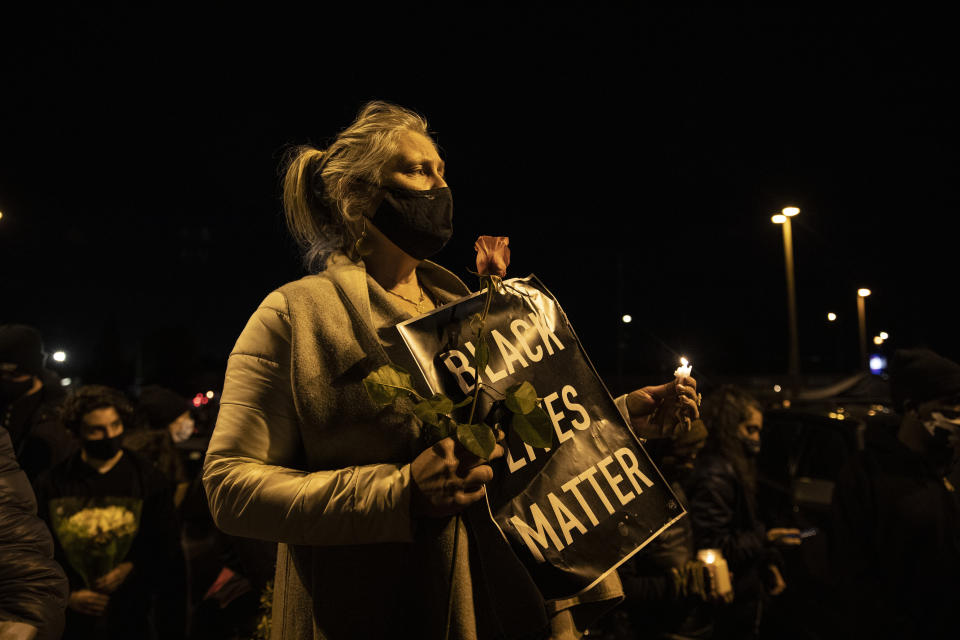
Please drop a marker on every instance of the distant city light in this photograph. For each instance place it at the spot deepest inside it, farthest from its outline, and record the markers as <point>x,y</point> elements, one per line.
<point>790,211</point>
<point>59,356</point>
<point>877,340</point>
<point>776,388</point>
<point>877,363</point>
<point>863,293</point>
<point>210,395</point>
<point>884,335</point>
<point>627,318</point>
<point>1,215</point>
<point>779,218</point>
<point>66,382</point>
<point>831,316</point>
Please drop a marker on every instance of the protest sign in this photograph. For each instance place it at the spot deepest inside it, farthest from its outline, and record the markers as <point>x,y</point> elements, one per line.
<point>571,512</point>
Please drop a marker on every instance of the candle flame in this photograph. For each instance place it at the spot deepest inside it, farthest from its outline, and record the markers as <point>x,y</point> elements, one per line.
<point>709,557</point>
<point>684,361</point>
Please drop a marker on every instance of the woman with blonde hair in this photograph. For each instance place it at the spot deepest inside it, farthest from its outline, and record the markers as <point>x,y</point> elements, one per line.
<point>301,456</point>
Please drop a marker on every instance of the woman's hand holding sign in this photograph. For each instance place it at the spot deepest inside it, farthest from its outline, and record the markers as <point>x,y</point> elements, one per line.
<point>446,478</point>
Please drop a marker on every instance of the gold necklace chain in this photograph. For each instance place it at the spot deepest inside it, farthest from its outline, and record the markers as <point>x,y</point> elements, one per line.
<point>414,303</point>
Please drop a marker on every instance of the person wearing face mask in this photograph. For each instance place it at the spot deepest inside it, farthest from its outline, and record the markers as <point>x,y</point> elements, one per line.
<point>30,396</point>
<point>163,421</point>
<point>118,604</point>
<point>724,512</point>
<point>301,456</point>
<point>897,513</point>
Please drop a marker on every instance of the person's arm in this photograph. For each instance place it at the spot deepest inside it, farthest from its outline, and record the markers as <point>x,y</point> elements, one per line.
<point>33,587</point>
<point>661,411</point>
<point>712,508</point>
<point>252,483</point>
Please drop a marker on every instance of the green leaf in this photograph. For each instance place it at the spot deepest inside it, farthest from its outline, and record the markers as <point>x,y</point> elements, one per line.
<point>427,410</point>
<point>475,321</point>
<point>386,383</point>
<point>477,438</point>
<point>534,428</point>
<point>483,355</point>
<point>463,402</point>
<point>447,427</point>
<point>521,398</point>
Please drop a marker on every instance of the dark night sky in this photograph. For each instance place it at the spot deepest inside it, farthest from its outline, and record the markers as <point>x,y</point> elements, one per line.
<point>139,156</point>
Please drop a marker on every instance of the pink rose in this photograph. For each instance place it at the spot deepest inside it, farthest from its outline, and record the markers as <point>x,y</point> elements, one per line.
<point>493,255</point>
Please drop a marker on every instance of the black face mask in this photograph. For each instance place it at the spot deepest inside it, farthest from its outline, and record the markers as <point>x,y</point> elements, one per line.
<point>419,222</point>
<point>750,447</point>
<point>103,449</point>
<point>10,390</point>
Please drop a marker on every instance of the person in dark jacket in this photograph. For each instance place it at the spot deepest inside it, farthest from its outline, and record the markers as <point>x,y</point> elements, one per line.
<point>120,603</point>
<point>30,396</point>
<point>668,594</point>
<point>897,515</point>
<point>163,421</point>
<point>33,587</point>
<point>724,513</point>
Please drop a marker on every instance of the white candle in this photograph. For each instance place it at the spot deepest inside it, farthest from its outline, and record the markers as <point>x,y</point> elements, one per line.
<point>718,569</point>
<point>683,371</point>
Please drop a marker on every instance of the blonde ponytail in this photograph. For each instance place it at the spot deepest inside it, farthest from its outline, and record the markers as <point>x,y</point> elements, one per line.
<point>326,192</point>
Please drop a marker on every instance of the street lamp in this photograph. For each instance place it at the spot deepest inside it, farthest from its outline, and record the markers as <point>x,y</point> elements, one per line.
<point>783,218</point>
<point>862,321</point>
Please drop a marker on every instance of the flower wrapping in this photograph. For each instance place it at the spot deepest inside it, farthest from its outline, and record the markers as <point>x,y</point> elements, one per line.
<point>96,533</point>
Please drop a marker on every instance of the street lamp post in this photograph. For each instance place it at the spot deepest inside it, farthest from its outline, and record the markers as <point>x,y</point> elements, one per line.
<point>794,361</point>
<point>862,322</point>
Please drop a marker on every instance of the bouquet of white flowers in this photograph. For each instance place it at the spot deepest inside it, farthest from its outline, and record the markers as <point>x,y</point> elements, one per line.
<point>95,533</point>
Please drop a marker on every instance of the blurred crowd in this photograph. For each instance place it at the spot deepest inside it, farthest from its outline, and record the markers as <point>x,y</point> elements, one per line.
<point>79,459</point>
<point>92,449</point>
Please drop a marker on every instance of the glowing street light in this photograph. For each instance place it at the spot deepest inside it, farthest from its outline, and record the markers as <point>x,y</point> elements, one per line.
<point>862,322</point>
<point>877,340</point>
<point>59,356</point>
<point>783,218</point>
<point>627,318</point>
<point>884,335</point>
<point>831,317</point>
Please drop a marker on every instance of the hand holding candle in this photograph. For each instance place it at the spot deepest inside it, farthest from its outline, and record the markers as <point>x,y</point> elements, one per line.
<point>667,410</point>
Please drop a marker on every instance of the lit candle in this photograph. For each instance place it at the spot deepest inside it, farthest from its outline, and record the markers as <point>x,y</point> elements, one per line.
<point>683,371</point>
<point>718,569</point>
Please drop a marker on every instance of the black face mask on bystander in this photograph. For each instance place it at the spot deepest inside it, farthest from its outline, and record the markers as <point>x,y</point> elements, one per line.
<point>750,447</point>
<point>102,449</point>
<point>10,390</point>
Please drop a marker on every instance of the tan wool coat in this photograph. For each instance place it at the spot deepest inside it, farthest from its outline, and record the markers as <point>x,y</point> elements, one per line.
<point>300,456</point>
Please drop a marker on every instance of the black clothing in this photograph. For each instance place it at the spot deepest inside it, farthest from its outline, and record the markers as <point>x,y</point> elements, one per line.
<point>39,438</point>
<point>156,555</point>
<point>652,604</point>
<point>897,544</point>
<point>33,587</point>
<point>157,446</point>
<point>724,516</point>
